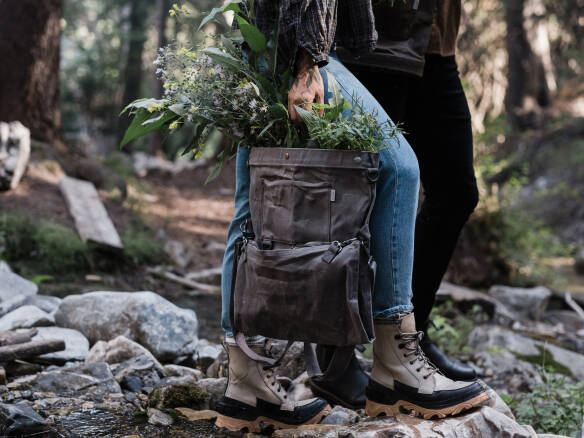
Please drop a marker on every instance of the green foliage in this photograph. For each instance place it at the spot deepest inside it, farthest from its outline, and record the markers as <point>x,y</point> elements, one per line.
<point>546,360</point>
<point>515,244</point>
<point>355,129</point>
<point>139,246</point>
<point>452,327</point>
<point>53,247</point>
<point>41,249</point>
<point>556,406</point>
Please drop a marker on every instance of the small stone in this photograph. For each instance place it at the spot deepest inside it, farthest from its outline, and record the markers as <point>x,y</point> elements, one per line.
<point>25,317</point>
<point>118,350</point>
<point>206,353</point>
<point>159,418</point>
<point>215,388</point>
<point>21,420</point>
<point>132,383</point>
<point>94,378</point>
<point>341,416</point>
<point>192,415</point>
<point>180,371</point>
<point>139,366</point>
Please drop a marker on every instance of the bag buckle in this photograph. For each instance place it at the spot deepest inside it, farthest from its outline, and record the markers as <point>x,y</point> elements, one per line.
<point>333,250</point>
<point>246,229</point>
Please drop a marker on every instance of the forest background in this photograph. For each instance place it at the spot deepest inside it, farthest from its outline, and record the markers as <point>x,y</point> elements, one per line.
<point>70,66</point>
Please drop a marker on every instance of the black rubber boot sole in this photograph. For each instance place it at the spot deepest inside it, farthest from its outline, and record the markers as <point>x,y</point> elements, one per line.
<point>235,415</point>
<point>404,399</point>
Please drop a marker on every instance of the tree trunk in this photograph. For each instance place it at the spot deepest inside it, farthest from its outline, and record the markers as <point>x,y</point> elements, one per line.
<point>527,89</point>
<point>162,7</point>
<point>133,71</point>
<point>30,32</point>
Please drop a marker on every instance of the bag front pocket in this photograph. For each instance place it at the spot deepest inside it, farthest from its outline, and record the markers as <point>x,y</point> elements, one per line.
<point>296,211</point>
<point>309,293</point>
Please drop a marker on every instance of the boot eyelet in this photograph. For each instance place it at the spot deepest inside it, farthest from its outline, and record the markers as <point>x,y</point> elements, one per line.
<point>396,337</point>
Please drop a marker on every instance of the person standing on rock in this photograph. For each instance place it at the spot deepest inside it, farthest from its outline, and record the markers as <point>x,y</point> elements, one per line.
<point>413,75</point>
<point>402,376</point>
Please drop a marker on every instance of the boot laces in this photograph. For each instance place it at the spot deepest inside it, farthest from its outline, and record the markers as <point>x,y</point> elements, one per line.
<point>414,351</point>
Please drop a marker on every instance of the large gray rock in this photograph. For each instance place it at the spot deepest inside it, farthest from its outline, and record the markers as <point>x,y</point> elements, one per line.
<point>480,423</point>
<point>21,420</point>
<point>467,298</point>
<point>529,303</point>
<point>26,317</point>
<point>120,350</point>
<point>14,153</point>
<point>44,302</point>
<point>494,340</point>
<point>12,285</point>
<point>145,317</point>
<point>76,345</point>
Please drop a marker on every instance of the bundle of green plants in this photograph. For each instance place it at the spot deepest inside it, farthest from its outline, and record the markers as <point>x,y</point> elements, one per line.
<point>236,86</point>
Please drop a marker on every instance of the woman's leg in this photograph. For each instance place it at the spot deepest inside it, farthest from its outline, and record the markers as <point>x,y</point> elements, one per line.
<point>393,219</point>
<point>242,213</point>
<point>401,376</point>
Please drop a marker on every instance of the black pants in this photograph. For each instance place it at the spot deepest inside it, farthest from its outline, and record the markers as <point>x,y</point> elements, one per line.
<point>434,114</point>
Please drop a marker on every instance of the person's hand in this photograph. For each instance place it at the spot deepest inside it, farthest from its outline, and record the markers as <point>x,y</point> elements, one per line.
<point>307,87</point>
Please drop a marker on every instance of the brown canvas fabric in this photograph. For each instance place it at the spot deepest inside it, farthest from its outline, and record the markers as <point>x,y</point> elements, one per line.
<point>308,275</point>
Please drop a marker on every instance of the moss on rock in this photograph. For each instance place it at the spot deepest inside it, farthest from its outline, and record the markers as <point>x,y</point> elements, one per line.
<point>176,396</point>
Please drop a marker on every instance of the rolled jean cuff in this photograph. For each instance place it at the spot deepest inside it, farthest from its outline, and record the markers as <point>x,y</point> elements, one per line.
<point>393,314</point>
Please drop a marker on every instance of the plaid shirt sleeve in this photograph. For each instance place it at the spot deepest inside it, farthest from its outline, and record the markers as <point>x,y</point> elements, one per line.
<point>316,28</point>
<point>312,24</point>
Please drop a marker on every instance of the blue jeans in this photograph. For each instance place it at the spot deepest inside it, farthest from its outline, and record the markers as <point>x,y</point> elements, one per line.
<point>392,221</point>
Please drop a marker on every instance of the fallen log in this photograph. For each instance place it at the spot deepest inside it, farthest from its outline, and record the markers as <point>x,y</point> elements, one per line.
<point>30,350</point>
<point>207,288</point>
<point>11,338</point>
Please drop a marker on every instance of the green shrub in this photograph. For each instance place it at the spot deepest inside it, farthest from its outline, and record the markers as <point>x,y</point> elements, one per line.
<point>555,407</point>
<point>41,249</point>
<point>452,327</point>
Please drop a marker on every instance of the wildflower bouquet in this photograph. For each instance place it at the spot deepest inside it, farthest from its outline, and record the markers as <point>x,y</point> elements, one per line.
<point>235,87</point>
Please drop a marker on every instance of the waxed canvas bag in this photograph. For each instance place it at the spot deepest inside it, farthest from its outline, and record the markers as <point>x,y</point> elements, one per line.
<point>307,274</point>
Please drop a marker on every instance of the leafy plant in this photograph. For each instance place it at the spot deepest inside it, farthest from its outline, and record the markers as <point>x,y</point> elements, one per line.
<point>451,327</point>
<point>345,127</point>
<point>239,88</point>
<point>556,406</point>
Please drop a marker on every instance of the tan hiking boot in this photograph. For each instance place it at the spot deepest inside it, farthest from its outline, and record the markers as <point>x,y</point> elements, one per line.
<point>254,398</point>
<point>403,379</point>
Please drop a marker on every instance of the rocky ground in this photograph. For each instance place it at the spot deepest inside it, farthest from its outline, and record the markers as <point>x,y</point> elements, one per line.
<point>133,366</point>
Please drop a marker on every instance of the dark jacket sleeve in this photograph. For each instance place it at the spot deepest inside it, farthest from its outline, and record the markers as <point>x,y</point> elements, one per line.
<point>316,28</point>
